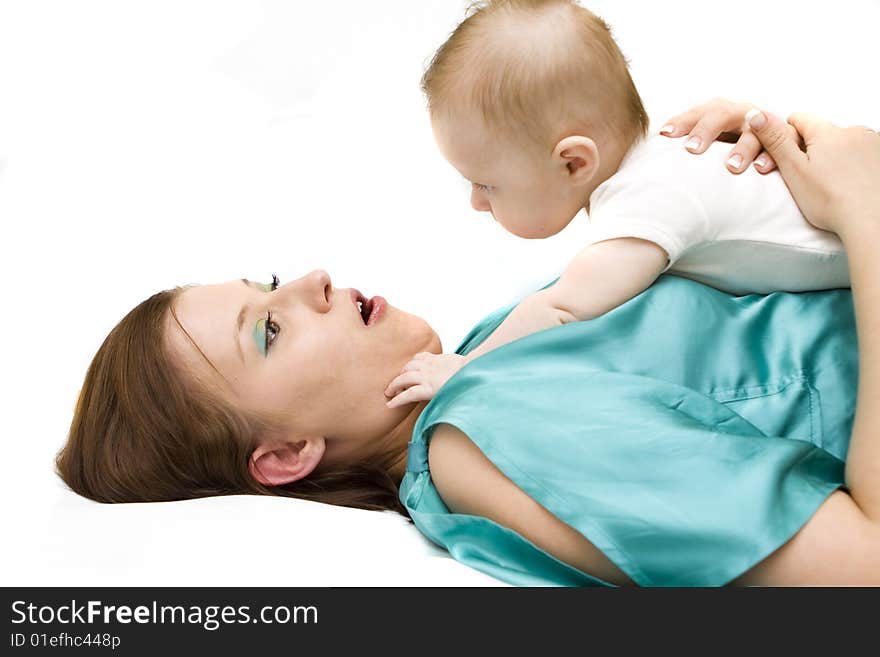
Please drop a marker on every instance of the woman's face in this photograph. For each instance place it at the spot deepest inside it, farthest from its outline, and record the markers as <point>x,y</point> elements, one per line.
<point>303,355</point>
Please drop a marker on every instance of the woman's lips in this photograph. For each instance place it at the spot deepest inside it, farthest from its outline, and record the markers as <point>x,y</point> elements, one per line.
<point>377,307</point>
<point>370,310</point>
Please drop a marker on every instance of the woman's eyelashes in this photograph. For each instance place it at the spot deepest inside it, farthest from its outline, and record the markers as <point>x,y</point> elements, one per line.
<point>271,331</point>
<point>267,330</point>
<point>271,287</point>
<point>265,333</point>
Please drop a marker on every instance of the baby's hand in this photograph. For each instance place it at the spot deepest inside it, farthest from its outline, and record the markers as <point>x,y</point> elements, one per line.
<point>422,377</point>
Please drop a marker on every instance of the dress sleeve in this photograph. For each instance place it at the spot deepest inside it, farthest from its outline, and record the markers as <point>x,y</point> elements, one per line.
<point>669,432</point>
<point>675,488</point>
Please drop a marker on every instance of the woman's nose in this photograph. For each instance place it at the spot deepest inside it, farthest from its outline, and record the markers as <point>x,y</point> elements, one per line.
<point>319,288</point>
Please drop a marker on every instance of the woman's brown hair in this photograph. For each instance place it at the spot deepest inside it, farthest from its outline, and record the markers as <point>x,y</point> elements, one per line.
<point>144,431</point>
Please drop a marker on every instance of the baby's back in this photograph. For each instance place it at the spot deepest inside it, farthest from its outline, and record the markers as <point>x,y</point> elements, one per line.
<point>739,233</point>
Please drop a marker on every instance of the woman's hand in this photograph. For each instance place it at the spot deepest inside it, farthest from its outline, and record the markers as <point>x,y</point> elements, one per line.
<point>723,120</point>
<point>836,180</point>
<point>836,183</point>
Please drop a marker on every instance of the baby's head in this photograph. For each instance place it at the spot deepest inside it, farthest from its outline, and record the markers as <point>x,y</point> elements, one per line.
<point>524,97</point>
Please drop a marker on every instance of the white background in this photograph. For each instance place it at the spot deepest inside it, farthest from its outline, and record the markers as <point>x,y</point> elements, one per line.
<point>149,144</point>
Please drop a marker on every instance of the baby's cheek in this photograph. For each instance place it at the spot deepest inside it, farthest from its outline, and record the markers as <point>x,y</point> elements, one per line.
<point>528,226</point>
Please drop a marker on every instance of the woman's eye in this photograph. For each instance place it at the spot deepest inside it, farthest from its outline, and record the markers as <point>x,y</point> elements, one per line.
<point>272,331</point>
<point>482,188</point>
<point>266,330</point>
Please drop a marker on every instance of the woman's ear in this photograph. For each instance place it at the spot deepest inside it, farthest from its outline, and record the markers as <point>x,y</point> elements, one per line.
<point>274,463</point>
<point>580,157</point>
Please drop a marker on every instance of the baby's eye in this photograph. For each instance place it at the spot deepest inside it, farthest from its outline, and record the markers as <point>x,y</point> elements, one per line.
<point>482,188</point>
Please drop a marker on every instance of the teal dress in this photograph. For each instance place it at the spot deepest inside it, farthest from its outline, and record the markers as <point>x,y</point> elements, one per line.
<point>687,434</point>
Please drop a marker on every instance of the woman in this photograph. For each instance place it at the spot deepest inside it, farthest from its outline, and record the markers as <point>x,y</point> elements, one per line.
<point>247,388</point>
<point>239,388</point>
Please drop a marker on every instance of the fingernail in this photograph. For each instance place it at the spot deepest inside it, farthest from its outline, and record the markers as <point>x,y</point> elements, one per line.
<point>761,161</point>
<point>693,143</point>
<point>667,129</point>
<point>755,118</point>
<point>735,161</point>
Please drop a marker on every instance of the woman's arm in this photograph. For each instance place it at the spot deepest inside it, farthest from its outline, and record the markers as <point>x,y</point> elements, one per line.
<point>863,458</point>
<point>470,483</point>
<point>834,176</point>
<point>835,183</point>
<point>838,546</point>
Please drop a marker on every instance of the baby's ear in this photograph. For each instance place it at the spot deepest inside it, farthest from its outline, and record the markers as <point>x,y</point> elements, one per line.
<point>579,156</point>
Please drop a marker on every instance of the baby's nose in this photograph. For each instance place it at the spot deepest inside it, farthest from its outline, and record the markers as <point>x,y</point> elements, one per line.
<point>479,202</point>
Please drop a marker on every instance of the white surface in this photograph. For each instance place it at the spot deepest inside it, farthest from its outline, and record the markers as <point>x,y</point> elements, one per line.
<point>143,144</point>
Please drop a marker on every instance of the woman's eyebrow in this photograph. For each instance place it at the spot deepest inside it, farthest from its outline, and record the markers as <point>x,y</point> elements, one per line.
<point>238,326</point>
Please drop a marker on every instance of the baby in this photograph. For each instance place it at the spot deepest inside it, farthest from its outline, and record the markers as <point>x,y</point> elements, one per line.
<point>532,102</point>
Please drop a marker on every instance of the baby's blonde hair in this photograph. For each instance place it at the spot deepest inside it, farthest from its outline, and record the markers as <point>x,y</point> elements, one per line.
<point>542,68</point>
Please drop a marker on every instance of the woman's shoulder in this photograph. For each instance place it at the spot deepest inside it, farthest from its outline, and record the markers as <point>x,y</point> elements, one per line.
<point>464,476</point>
<point>469,483</point>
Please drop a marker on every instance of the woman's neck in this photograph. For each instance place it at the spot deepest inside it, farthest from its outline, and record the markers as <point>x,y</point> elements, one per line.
<point>399,438</point>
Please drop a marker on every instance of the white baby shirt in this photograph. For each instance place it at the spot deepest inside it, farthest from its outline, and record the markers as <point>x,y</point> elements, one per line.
<point>741,234</point>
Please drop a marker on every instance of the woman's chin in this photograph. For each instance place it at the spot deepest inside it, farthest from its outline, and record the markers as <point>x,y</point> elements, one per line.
<point>413,333</point>
<point>428,338</point>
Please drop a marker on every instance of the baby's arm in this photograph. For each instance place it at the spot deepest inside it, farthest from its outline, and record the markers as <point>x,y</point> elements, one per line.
<point>601,277</point>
